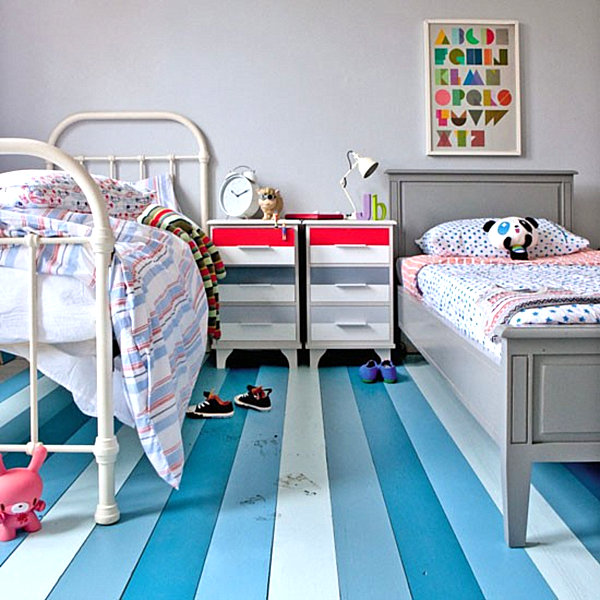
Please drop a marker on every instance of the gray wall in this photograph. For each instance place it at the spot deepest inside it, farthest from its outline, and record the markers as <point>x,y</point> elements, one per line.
<point>288,86</point>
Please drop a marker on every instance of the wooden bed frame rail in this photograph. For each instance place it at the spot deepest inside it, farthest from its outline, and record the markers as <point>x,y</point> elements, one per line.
<point>541,403</point>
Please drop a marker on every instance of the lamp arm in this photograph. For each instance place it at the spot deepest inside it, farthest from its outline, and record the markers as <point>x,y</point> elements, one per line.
<point>351,202</point>
<point>343,181</point>
<point>350,163</point>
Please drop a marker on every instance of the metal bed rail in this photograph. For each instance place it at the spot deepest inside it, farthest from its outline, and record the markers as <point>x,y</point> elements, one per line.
<point>202,157</point>
<point>101,241</point>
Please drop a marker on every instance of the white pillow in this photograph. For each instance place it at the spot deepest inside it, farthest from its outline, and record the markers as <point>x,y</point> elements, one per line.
<point>466,237</point>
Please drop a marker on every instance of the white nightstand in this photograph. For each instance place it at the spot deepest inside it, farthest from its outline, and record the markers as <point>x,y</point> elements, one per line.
<point>349,284</point>
<point>259,297</point>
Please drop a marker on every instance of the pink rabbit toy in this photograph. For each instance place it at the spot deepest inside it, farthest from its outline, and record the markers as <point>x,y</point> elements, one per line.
<point>20,491</point>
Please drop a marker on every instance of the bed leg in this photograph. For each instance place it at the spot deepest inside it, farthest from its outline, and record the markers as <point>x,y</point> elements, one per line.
<point>105,451</point>
<point>516,483</point>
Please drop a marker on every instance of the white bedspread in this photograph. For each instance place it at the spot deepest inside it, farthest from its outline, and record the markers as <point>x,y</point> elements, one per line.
<point>66,308</point>
<point>463,294</point>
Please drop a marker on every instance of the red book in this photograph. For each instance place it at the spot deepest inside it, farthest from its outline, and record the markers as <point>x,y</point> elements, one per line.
<point>314,215</point>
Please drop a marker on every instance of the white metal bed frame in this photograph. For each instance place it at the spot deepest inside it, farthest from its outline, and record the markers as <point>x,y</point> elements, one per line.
<point>101,240</point>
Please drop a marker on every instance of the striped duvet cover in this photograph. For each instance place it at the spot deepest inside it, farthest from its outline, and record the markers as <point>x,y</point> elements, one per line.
<point>159,315</point>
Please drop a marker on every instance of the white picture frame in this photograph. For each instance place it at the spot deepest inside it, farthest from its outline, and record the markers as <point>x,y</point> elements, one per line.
<point>473,95</point>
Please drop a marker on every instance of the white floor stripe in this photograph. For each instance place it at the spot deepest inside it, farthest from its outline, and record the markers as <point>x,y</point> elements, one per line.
<point>19,402</point>
<point>303,564</point>
<point>36,565</point>
<point>564,562</point>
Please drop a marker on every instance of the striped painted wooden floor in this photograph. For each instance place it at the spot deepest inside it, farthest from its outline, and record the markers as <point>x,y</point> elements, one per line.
<point>343,490</point>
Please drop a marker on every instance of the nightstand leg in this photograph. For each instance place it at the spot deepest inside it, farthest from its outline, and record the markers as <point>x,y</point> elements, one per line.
<point>222,356</point>
<point>384,353</point>
<point>315,357</point>
<point>292,358</point>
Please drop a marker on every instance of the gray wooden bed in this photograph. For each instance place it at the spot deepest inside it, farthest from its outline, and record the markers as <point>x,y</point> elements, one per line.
<point>542,402</point>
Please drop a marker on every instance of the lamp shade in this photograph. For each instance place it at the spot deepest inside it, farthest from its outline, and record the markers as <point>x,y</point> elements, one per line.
<point>366,166</point>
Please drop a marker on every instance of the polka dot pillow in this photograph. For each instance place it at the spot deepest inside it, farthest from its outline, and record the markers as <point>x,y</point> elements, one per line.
<point>466,237</point>
<point>57,189</point>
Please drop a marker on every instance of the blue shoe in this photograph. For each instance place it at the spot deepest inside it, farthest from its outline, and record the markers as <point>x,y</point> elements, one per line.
<point>369,372</point>
<point>388,371</point>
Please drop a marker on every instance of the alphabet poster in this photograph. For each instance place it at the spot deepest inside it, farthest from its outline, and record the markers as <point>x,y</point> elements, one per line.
<point>473,99</point>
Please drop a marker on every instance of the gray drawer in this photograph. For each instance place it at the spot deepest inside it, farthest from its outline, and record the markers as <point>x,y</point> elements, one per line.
<point>266,313</point>
<point>333,275</point>
<point>246,275</point>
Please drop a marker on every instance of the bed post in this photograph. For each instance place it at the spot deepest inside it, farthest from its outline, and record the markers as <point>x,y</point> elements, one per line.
<point>106,446</point>
<point>514,447</point>
<point>516,483</point>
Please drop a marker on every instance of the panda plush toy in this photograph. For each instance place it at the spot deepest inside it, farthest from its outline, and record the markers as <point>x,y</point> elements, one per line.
<point>515,234</point>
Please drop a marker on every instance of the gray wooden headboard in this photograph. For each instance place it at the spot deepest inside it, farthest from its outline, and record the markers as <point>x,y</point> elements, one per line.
<point>421,199</point>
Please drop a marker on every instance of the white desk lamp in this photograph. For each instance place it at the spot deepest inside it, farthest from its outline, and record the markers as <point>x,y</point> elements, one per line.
<point>366,168</point>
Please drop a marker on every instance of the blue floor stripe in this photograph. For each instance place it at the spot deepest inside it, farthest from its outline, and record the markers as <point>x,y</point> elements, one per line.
<point>433,559</point>
<point>364,539</point>
<point>16,431</point>
<point>576,505</point>
<point>59,470</point>
<point>243,534</point>
<point>15,383</point>
<point>588,474</point>
<point>174,556</point>
<point>104,563</point>
<point>501,572</point>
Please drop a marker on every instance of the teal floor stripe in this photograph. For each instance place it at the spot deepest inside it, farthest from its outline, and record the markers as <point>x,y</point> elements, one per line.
<point>434,562</point>
<point>243,534</point>
<point>6,357</point>
<point>474,517</point>
<point>174,556</point>
<point>364,539</point>
<point>104,563</point>
<point>577,506</point>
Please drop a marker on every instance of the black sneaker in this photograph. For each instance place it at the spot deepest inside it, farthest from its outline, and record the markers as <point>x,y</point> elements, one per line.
<point>256,397</point>
<point>212,407</point>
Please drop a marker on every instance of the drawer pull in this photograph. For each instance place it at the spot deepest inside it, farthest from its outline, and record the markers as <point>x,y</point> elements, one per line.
<point>352,324</point>
<point>351,245</point>
<point>264,247</point>
<point>256,324</point>
<point>351,285</point>
<point>255,285</point>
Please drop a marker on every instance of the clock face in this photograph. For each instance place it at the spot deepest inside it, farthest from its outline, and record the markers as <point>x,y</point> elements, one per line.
<point>237,196</point>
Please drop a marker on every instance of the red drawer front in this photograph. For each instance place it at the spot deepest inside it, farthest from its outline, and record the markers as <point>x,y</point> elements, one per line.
<point>328,236</point>
<point>252,236</point>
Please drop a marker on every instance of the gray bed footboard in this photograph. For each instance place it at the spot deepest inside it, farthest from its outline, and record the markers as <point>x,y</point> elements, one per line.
<point>552,408</point>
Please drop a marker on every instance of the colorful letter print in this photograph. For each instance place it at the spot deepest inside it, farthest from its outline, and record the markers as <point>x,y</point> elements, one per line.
<point>473,87</point>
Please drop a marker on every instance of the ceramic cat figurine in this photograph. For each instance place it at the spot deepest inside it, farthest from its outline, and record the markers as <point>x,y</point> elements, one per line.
<point>270,202</point>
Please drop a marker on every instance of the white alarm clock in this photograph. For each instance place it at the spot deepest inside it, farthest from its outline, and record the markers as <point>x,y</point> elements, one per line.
<point>239,193</point>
